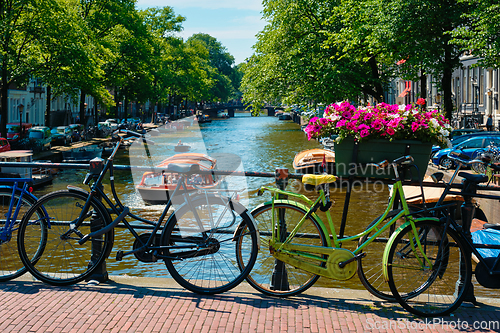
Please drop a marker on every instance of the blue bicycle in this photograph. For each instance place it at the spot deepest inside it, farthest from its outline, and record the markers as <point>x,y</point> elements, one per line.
<point>15,200</point>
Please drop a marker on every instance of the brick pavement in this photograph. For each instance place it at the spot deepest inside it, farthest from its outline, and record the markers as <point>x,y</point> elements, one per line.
<point>159,305</point>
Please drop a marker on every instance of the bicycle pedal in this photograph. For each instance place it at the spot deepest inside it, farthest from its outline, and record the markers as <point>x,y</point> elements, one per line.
<point>119,255</point>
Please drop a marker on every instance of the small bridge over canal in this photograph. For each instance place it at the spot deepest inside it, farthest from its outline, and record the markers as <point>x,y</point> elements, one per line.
<point>231,109</point>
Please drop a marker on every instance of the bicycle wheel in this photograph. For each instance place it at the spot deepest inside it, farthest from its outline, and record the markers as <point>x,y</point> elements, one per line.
<point>421,289</point>
<point>11,265</point>
<point>205,246</point>
<point>276,278</point>
<point>372,276</point>
<point>61,260</point>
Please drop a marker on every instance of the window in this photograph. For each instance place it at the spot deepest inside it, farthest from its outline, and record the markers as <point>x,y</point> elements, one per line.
<point>472,143</point>
<point>36,135</point>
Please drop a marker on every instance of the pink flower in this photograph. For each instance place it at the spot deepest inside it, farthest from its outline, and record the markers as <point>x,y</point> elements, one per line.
<point>313,120</point>
<point>364,133</point>
<point>323,121</point>
<point>368,116</point>
<point>391,131</point>
<point>346,114</point>
<point>394,122</point>
<point>414,126</point>
<point>341,123</point>
<point>351,126</point>
<point>363,127</point>
<point>377,125</point>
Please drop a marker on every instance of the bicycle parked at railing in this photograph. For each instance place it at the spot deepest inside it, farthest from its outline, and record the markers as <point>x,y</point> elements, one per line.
<point>438,294</point>
<point>200,242</point>
<point>296,247</point>
<point>492,151</point>
<point>15,200</point>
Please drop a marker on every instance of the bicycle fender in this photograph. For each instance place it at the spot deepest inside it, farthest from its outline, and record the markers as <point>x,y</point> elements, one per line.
<point>72,188</point>
<point>385,257</point>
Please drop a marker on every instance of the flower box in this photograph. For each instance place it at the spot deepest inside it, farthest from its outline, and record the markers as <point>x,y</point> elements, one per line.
<point>377,150</point>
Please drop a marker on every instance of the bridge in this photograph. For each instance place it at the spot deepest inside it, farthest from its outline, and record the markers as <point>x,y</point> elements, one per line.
<point>230,110</point>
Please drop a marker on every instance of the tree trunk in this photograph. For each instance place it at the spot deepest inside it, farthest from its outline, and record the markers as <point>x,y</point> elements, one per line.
<point>116,103</point>
<point>446,84</point>
<point>82,108</point>
<point>96,114</point>
<point>423,88</point>
<point>377,86</point>
<point>47,106</point>
<point>4,89</point>
<point>125,109</point>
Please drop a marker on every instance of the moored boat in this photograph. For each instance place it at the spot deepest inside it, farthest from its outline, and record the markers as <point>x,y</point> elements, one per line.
<point>205,118</point>
<point>154,187</point>
<point>40,176</point>
<point>310,161</point>
<point>284,116</point>
<point>82,155</point>
<point>181,148</point>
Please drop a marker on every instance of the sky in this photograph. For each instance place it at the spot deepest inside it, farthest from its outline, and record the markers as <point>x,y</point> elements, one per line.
<point>234,23</point>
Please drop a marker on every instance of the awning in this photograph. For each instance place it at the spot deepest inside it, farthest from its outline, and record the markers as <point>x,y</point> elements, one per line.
<point>407,89</point>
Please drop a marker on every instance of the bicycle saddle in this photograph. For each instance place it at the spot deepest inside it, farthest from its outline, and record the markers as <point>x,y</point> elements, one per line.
<point>474,178</point>
<point>183,167</point>
<point>491,226</point>
<point>318,179</point>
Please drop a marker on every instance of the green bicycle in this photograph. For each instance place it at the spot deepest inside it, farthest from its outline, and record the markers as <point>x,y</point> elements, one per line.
<point>296,247</point>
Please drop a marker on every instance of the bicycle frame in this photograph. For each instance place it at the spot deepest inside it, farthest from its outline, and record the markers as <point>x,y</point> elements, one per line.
<point>13,212</point>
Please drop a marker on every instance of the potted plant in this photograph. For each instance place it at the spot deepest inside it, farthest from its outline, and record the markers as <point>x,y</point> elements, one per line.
<point>380,132</point>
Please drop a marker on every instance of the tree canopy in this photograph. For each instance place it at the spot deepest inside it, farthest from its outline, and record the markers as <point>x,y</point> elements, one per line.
<point>318,51</point>
<point>111,50</point>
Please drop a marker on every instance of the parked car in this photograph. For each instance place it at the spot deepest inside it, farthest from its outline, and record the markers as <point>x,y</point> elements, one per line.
<point>76,130</point>
<point>41,135</point>
<point>468,147</point>
<point>463,131</point>
<point>61,135</point>
<point>14,131</point>
<point>104,129</point>
<point>4,145</point>
<point>461,138</point>
<point>113,123</point>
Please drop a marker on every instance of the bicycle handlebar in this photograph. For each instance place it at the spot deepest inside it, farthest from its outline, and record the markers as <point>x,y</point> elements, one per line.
<point>465,160</point>
<point>407,159</point>
<point>133,135</point>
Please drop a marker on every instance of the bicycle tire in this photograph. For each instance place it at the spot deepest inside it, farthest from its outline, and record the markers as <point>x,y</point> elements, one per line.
<point>210,264</point>
<point>423,291</point>
<point>62,261</point>
<point>372,278</point>
<point>288,280</point>
<point>11,266</point>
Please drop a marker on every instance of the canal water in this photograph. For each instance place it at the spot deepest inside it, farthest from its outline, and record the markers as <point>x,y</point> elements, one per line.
<point>240,143</point>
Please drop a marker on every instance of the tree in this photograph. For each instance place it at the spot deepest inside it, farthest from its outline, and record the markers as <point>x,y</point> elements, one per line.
<point>222,62</point>
<point>481,34</point>
<point>38,36</point>
<point>302,56</point>
<point>419,31</point>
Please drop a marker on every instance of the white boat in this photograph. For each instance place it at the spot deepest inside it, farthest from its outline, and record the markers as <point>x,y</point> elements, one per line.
<point>154,187</point>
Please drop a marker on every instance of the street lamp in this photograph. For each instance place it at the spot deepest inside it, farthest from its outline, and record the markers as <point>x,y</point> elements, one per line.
<point>21,108</point>
<point>119,110</point>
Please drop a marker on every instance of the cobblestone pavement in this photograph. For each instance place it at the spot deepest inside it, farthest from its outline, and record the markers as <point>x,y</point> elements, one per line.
<point>129,304</point>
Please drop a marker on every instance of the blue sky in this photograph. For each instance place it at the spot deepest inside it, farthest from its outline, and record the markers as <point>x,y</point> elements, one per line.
<point>234,23</point>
